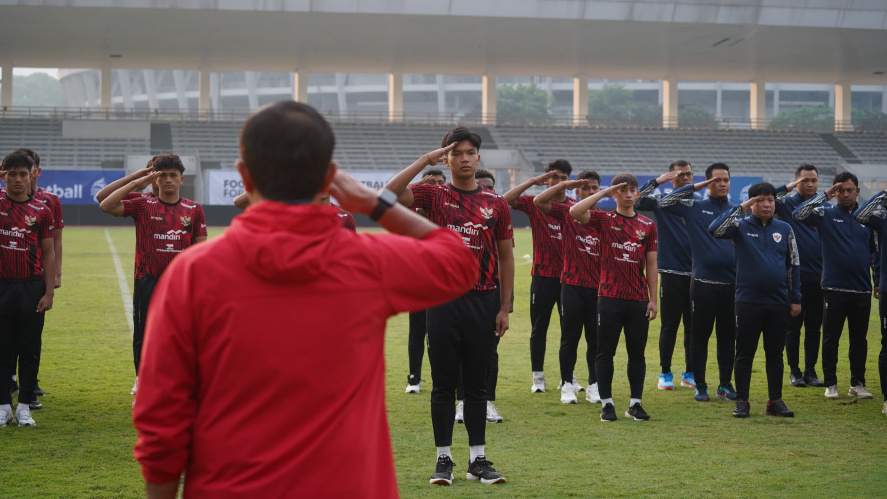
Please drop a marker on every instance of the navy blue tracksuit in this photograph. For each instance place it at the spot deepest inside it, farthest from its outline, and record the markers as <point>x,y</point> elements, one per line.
<point>767,280</point>
<point>874,214</point>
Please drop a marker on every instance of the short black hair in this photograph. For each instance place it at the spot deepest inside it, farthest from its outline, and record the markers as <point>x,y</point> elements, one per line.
<point>589,175</point>
<point>32,154</point>
<point>435,173</point>
<point>845,176</point>
<point>167,162</point>
<point>481,173</point>
<point>628,178</point>
<point>762,189</point>
<point>560,165</point>
<point>17,159</point>
<point>678,163</point>
<point>459,134</point>
<point>287,147</point>
<point>716,166</point>
<point>806,167</point>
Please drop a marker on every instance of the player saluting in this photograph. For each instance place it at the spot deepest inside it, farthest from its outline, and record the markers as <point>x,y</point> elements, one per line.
<point>627,288</point>
<point>462,333</point>
<point>768,289</point>
<point>166,225</point>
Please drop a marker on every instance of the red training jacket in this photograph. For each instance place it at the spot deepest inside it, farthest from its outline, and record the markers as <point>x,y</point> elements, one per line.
<point>263,364</point>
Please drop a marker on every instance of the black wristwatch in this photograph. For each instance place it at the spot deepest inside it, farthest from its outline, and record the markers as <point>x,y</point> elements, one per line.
<point>386,200</point>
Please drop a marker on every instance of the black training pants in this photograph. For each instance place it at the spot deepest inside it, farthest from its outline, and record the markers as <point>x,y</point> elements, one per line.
<point>545,292</point>
<point>614,316</point>
<point>854,308</point>
<point>578,310</point>
<point>141,297</point>
<point>713,303</point>
<point>461,335</point>
<point>811,319</point>
<point>20,323</point>
<point>752,319</point>
<point>882,357</point>
<point>674,300</point>
<point>416,345</point>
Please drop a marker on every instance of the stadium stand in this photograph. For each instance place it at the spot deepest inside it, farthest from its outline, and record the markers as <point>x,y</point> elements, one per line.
<point>869,147</point>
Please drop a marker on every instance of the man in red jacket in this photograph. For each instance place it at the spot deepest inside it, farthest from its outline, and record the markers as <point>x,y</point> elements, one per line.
<point>266,314</point>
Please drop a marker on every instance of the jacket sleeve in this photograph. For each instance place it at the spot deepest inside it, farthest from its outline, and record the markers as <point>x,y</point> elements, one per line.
<point>647,197</point>
<point>812,210</point>
<point>678,201</point>
<point>874,212</point>
<point>726,225</point>
<point>875,259</point>
<point>420,273</point>
<point>165,406</point>
<point>794,268</point>
<point>783,207</point>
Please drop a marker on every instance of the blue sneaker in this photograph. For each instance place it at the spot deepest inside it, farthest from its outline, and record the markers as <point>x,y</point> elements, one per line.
<point>726,392</point>
<point>687,380</point>
<point>701,394</point>
<point>666,381</point>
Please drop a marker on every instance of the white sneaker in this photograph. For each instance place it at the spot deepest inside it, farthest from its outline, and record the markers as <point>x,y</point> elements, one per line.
<point>460,409</point>
<point>592,395</point>
<point>414,388</point>
<point>6,414</point>
<point>568,394</point>
<point>884,408</point>
<point>538,383</point>
<point>493,415</point>
<point>831,392</point>
<point>23,415</point>
<point>135,386</point>
<point>577,386</point>
<point>860,392</point>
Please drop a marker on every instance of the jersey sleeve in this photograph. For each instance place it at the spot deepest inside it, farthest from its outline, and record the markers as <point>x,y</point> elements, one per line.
<point>134,207</point>
<point>56,207</point>
<point>598,219</point>
<point>504,230</point>
<point>45,225</point>
<point>524,204</point>
<point>198,225</point>
<point>423,196</point>
<point>651,243</point>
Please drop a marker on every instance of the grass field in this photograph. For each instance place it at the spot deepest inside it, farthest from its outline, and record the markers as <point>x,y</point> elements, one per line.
<point>82,446</point>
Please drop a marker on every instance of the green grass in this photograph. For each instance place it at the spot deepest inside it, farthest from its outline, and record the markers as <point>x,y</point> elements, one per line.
<point>83,444</point>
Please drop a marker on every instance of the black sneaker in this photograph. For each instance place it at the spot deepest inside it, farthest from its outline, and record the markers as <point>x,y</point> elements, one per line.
<point>483,470</point>
<point>38,391</point>
<point>35,405</point>
<point>778,408</point>
<point>726,392</point>
<point>608,413</point>
<point>637,413</point>
<point>742,409</point>
<point>443,472</point>
<point>798,380</point>
<point>812,379</point>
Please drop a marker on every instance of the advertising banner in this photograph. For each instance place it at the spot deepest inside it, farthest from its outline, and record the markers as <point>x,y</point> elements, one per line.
<point>77,186</point>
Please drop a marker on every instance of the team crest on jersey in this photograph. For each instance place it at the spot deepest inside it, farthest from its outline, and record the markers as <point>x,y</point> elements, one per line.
<point>777,237</point>
<point>487,213</point>
<point>30,221</point>
<point>186,221</point>
<point>640,234</point>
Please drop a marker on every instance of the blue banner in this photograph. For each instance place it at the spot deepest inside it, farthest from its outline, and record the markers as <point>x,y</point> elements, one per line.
<point>77,186</point>
<point>738,188</point>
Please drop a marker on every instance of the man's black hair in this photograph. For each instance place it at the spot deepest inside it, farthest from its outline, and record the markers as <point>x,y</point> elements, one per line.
<point>560,165</point>
<point>628,178</point>
<point>805,167</point>
<point>589,175</point>
<point>434,173</point>
<point>481,173</point>
<point>17,159</point>
<point>287,148</point>
<point>459,134</point>
<point>678,163</point>
<point>32,154</point>
<point>845,176</point>
<point>762,189</point>
<point>167,162</point>
<point>716,166</point>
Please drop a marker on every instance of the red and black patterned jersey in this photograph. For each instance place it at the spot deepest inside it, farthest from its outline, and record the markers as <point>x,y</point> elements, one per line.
<point>347,220</point>
<point>548,237</point>
<point>481,217</point>
<point>54,204</point>
<point>625,243</point>
<point>162,231</point>
<point>23,227</point>
<point>582,251</point>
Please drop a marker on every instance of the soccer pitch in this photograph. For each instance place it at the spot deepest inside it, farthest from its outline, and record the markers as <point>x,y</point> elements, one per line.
<point>82,446</point>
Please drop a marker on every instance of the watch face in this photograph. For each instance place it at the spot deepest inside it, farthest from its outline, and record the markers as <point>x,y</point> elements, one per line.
<point>388,196</point>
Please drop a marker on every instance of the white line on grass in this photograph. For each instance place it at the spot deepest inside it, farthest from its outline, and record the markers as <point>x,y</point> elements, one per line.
<point>121,281</point>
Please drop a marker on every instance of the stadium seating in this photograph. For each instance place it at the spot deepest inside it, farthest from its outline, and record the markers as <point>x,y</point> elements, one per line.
<point>869,147</point>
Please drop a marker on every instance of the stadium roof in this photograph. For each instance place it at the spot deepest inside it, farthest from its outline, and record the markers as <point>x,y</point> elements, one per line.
<point>735,40</point>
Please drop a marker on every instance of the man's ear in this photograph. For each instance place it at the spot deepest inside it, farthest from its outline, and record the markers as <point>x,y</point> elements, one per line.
<point>248,184</point>
<point>330,174</point>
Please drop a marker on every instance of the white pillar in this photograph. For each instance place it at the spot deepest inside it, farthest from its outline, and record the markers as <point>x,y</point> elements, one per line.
<point>6,93</point>
<point>300,87</point>
<point>669,104</point>
<point>719,101</point>
<point>151,89</point>
<point>441,94</point>
<point>777,101</point>
<point>884,100</point>
<point>105,88</point>
<point>178,77</point>
<point>757,106</point>
<point>395,97</point>
<point>843,107</point>
<point>488,99</point>
<point>580,100</point>
<point>126,88</point>
<point>203,92</point>
<point>251,93</point>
